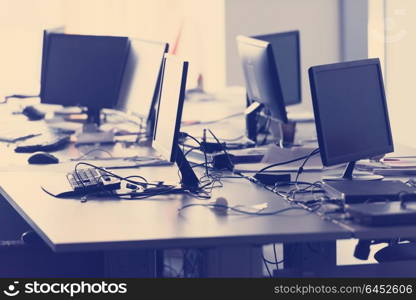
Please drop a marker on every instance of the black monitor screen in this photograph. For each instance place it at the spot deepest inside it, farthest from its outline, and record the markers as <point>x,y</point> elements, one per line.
<point>350,111</point>
<point>286,50</point>
<point>83,70</point>
<point>261,78</point>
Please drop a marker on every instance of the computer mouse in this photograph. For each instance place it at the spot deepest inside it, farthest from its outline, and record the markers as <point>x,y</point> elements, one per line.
<point>32,113</point>
<point>42,158</point>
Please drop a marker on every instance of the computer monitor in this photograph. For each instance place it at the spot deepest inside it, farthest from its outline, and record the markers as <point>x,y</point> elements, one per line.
<point>261,77</point>
<point>45,42</point>
<point>286,50</point>
<point>84,70</point>
<point>169,115</point>
<point>351,113</point>
<point>141,79</point>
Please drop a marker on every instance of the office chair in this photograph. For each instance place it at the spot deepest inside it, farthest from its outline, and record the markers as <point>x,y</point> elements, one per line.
<point>394,251</point>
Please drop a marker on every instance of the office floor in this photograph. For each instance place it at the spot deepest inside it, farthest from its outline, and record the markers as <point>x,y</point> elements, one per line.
<point>174,266</point>
<point>345,253</point>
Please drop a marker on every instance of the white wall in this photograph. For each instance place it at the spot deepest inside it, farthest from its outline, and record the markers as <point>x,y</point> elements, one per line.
<point>375,32</point>
<point>200,24</point>
<point>400,64</point>
<point>208,34</point>
<point>21,25</point>
<point>318,22</point>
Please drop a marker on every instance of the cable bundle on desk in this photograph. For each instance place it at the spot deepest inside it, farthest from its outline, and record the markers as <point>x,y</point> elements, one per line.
<point>313,204</point>
<point>141,189</point>
<point>302,187</point>
<point>150,189</point>
<point>211,178</point>
<point>155,190</point>
<point>309,187</point>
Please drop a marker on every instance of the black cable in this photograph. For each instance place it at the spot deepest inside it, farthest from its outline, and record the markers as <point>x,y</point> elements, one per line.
<point>270,213</point>
<point>17,96</point>
<point>275,255</point>
<point>297,190</point>
<point>269,261</point>
<point>145,195</point>
<point>212,181</point>
<point>267,267</point>
<point>138,176</point>
<point>300,170</point>
<point>204,139</point>
<point>189,151</point>
<point>193,138</point>
<point>223,149</point>
<point>233,139</point>
<point>282,163</point>
<point>290,195</point>
<point>276,262</point>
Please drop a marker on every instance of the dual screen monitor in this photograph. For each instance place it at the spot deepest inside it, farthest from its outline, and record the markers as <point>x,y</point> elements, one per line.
<point>101,72</point>
<point>350,107</point>
<point>116,72</point>
<point>272,71</point>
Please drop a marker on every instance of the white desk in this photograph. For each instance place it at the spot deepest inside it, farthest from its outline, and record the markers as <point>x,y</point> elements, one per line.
<point>67,225</point>
<point>70,225</point>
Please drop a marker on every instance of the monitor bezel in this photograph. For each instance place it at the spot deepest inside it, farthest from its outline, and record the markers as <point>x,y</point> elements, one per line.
<point>128,78</point>
<point>278,104</point>
<point>296,34</point>
<point>159,147</point>
<point>46,33</point>
<point>327,160</point>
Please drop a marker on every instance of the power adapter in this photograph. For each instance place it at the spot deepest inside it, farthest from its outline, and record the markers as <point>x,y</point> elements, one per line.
<point>223,162</point>
<point>272,179</point>
<point>210,147</point>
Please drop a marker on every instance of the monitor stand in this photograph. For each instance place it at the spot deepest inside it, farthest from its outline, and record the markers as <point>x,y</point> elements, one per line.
<point>284,133</point>
<point>251,113</point>
<point>188,178</point>
<point>348,175</point>
<point>91,133</point>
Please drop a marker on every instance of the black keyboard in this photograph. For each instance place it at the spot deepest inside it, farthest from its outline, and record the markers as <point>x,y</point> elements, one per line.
<point>91,180</point>
<point>57,142</point>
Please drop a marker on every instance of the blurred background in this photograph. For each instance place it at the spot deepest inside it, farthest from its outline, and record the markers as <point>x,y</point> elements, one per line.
<point>204,33</point>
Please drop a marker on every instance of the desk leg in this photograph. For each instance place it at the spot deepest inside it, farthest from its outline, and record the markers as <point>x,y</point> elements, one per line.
<point>233,261</point>
<point>312,259</point>
<point>125,264</point>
